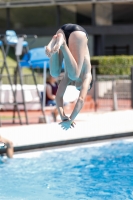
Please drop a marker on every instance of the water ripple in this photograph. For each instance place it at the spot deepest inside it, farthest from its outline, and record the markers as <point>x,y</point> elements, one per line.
<point>87,173</point>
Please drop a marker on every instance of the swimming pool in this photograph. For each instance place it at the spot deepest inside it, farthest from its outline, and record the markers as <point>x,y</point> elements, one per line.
<point>91,172</point>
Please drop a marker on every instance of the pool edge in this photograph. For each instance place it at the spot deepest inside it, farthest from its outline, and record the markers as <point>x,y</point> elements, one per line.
<point>63,143</point>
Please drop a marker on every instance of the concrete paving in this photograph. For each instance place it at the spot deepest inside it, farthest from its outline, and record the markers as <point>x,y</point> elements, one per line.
<point>89,127</point>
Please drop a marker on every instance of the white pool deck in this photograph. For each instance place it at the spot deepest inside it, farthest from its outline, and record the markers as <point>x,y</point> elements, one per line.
<point>89,127</point>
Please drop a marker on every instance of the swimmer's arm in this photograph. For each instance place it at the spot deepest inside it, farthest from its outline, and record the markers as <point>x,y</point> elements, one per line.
<point>59,96</point>
<point>81,99</point>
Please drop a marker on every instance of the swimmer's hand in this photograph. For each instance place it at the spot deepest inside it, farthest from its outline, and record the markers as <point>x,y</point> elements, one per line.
<point>67,123</point>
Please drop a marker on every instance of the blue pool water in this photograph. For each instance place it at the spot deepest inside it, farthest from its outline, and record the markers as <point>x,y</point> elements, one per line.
<point>96,172</point>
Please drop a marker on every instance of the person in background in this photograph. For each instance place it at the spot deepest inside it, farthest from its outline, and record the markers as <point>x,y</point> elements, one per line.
<point>9,146</point>
<point>51,89</point>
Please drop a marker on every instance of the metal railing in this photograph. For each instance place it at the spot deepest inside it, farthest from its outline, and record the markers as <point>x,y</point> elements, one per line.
<point>112,92</point>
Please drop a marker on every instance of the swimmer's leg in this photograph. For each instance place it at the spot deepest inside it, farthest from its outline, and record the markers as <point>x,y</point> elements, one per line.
<point>74,55</point>
<point>56,63</point>
<point>59,42</point>
<point>56,58</point>
<point>49,47</point>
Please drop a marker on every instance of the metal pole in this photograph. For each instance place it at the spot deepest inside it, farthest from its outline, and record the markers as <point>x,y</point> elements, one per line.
<point>95,86</point>
<point>115,104</point>
<point>18,52</point>
<point>132,87</point>
<point>43,119</point>
<point>10,81</point>
<point>41,104</point>
<point>15,92</point>
<point>44,84</point>
<point>22,89</point>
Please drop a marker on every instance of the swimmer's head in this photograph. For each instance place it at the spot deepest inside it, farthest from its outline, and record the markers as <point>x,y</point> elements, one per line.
<point>50,78</point>
<point>79,88</point>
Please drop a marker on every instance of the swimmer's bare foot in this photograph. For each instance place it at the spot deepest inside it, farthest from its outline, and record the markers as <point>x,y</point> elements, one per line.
<point>59,42</point>
<point>49,47</point>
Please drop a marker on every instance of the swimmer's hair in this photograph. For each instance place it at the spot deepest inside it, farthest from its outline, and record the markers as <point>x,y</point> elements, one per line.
<point>48,77</point>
